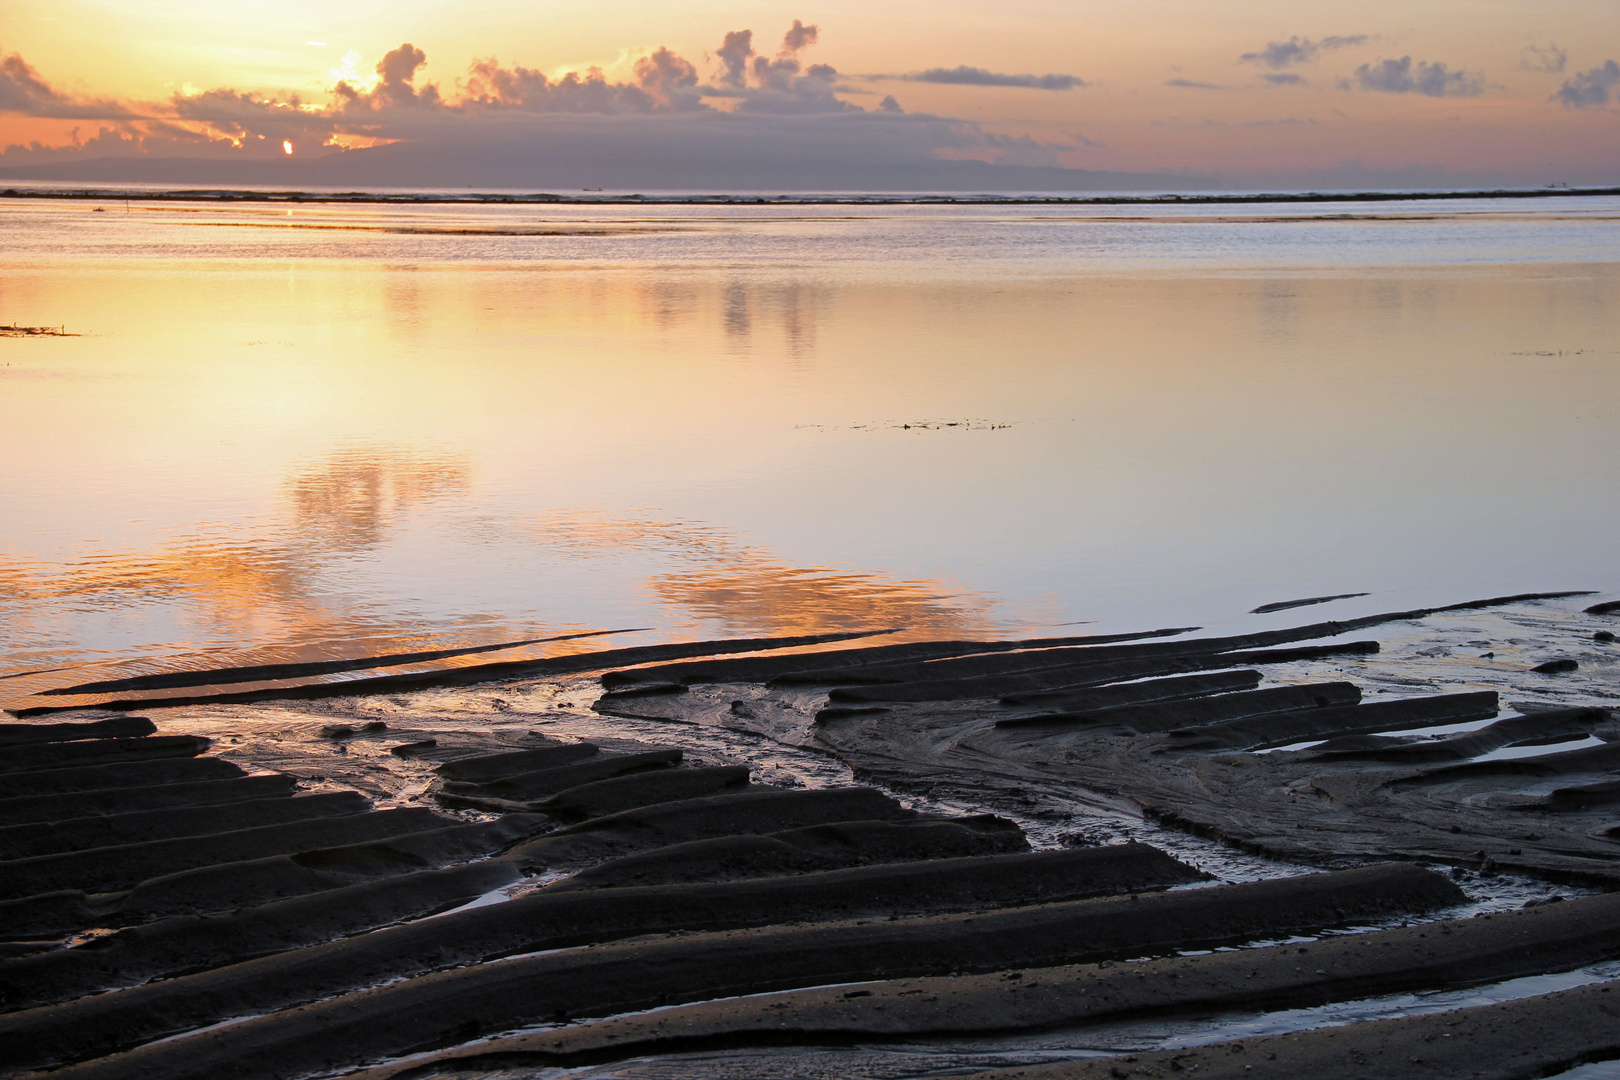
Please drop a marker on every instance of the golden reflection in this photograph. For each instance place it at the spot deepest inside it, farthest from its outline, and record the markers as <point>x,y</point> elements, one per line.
<point>176,475</point>
<point>246,589</point>
<point>254,590</point>
<point>759,598</point>
<point>749,591</point>
<point>350,498</point>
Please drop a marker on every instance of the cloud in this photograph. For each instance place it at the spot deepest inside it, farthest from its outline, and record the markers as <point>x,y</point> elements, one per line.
<point>974,76</point>
<point>798,37</point>
<point>780,85</point>
<point>1189,84</point>
<point>734,53</point>
<point>784,91</point>
<point>398,67</point>
<point>1299,50</point>
<point>735,120</point>
<point>242,116</point>
<point>657,127</point>
<point>490,87</point>
<point>1284,79</point>
<point>1549,59</point>
<point>1589,89</point>
<point>1403,77</point>
<point>395,89</point>
<point>669,81</point>
<point>23,91</point>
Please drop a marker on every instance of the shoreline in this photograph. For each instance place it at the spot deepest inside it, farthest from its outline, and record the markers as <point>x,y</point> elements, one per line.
<point>823,199</point>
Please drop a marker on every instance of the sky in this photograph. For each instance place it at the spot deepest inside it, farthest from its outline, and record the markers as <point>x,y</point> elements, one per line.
<point>1248,92</point>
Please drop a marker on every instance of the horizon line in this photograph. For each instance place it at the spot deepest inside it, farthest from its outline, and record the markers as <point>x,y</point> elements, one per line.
<point>431,197</point>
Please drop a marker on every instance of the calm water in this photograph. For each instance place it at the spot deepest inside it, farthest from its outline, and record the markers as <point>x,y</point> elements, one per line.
<point>346,429</point>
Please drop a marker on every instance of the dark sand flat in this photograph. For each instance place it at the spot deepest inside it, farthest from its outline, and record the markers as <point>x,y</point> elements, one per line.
<point>371,878</point>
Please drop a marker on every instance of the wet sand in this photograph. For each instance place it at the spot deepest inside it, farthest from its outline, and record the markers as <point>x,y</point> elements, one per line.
<point>865,844</point>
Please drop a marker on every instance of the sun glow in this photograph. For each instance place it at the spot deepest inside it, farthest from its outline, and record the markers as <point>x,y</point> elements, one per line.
<point>286,146</point>
<point>349,71</point>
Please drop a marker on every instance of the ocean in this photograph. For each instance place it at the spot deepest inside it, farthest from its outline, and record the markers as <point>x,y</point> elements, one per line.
<point>330,429</point>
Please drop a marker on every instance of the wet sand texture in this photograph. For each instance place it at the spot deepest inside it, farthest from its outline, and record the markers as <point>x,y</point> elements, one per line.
<point>1271,731</point>
<point>75,755</point>
<point>1457,952</point>
<point>1192,761</point>
<point>1070,680</point>
<point>1073,678</point>
<point>743,912</point>
<point>1159,716</point>
<point>762,668</point>
<point>543,783</point>
<point>189,943</point>
<point>1090,666</point>
<point>754,810</point>
<point>107,869</point>
<point>1515,1040</point>
<point>247,684</point>
<point>78,834</point>
<point>118,727</point>
<point>249,881</point>
<point>495,766</point>
<point>234,884</point>
<point>803,851</point>
<point>32,809</point>
<point>605,797</point>
<point>1536,729</point>
<point>131,774</point>
<point>266,672</point>
<point>456,1005</point>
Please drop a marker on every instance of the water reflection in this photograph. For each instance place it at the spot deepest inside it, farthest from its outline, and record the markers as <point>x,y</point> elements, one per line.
<point>357,441</point>
<point>798,310</point>
<point>757,597</point>
<point>747,591</point>
<point>738,319</point>
<point>221,588</point>
<point>351,498</point>
<point>350,502</point>
<point>226,587</point>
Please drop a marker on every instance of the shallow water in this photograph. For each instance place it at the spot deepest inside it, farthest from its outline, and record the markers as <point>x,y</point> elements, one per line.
<point>348,429</point>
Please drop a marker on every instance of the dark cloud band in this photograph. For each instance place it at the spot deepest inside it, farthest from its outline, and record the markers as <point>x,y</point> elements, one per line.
<point>1300,50</point>
<point>1404,77</point>
<point>964,75</point>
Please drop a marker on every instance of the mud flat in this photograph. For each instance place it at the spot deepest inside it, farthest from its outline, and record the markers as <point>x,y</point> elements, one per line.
<point>797,844</point>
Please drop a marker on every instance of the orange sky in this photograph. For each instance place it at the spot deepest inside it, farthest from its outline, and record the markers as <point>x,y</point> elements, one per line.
<point>1527,90</point>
